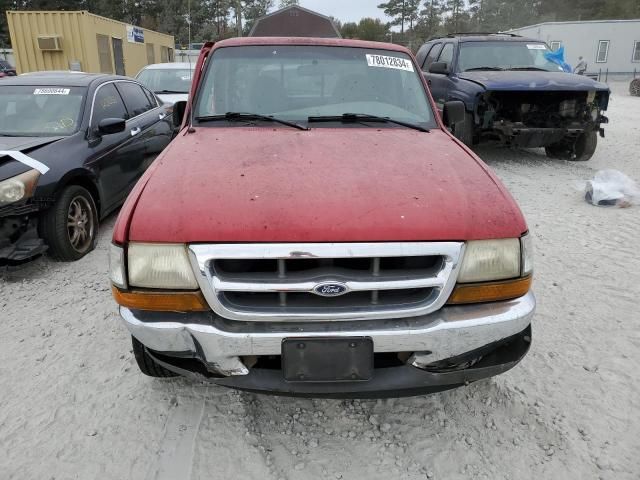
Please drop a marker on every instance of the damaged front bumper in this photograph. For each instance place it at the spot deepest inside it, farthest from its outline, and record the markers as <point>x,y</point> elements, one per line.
<point>19,238</point>
<point>442,350</point>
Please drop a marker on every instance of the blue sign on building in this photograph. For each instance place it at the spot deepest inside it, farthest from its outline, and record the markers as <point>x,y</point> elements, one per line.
<point>135,34</point>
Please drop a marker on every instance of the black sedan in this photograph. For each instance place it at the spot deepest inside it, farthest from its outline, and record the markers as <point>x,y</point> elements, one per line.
<point>72,146</point>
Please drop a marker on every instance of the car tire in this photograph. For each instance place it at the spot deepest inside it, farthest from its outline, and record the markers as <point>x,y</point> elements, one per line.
<point>148,365</point>
<point>463,131</point>
<point>70,226</point>
<point>634,87</point>
<point>583,149</point>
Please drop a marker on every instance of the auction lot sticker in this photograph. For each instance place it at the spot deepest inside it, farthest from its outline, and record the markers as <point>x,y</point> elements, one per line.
<point>51,91</point>
<point>389,62</point>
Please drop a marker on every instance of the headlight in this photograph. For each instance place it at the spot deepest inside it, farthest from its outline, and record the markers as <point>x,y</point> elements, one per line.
<point>154,265</point>
<point>494,270</point>
<point>19,187</point>
<point>488,260</point>
<point>116,266</point>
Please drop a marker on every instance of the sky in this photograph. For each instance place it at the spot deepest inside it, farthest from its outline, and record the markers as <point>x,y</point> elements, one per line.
<point>346,10</point>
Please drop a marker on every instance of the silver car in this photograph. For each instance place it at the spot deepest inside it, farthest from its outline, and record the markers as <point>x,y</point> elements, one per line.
<point>170,81</point>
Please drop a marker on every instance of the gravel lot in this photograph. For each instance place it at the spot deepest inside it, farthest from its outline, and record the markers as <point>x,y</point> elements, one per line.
<point>74,406</point>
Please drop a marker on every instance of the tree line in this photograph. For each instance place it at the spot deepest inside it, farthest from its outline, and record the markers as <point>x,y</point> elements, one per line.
<point>412,21</point>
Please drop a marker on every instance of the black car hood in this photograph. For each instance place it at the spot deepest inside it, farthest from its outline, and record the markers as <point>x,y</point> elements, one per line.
<point>25,144</point>
<point>532,81</point>
<point>8,165</point>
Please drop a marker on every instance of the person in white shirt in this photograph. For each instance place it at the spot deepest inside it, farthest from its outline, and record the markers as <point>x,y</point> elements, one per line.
<point>581,67</point>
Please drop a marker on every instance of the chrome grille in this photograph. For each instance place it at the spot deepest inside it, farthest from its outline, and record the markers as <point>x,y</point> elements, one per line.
<point>276,282</point>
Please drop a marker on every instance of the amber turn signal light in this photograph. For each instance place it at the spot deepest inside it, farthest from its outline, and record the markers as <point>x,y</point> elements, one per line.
<point>159,301</point>
<point>490,292</point>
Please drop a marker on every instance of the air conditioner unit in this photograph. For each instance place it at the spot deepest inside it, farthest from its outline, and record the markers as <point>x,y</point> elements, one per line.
<point>50,42</point>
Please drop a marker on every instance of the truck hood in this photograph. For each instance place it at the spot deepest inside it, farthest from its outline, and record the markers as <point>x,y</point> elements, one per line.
<point>532,81</point>
<point>261,184</point>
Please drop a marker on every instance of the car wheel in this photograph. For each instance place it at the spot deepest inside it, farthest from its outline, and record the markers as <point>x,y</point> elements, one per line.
<point>70,227</point>
<point>148,365</point>
<point>583,149</point>
<point>634,87</point>
<point>463,131</point>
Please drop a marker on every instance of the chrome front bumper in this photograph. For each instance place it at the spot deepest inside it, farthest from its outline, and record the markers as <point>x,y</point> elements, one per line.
<point>219,343</point>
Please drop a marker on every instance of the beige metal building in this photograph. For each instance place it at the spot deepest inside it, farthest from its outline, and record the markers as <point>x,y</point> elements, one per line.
<point>85,42</point>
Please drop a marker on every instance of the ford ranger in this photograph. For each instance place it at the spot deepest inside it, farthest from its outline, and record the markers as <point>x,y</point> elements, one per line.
<point>314,229</point>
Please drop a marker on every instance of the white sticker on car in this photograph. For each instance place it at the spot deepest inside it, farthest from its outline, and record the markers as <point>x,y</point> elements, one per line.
<point>536,46</point>
<point>51,91</point>
<point>26,160</point>
<point>385,61</point>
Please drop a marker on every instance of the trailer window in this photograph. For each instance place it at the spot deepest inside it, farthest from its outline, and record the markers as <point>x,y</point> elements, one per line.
<point>603,51</point>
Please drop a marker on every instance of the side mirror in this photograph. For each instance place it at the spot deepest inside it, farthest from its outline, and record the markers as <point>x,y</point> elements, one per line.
<point>178,113</point>
<point>453,112</point>
<point>441,68</point>
<point>108,126</point>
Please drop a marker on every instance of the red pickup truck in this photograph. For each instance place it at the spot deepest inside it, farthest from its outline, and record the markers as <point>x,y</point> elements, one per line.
<point>314,229</point>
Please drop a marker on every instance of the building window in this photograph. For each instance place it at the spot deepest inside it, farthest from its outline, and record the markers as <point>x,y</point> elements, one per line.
<point>603,51</point>
<point>636,51</point>
<point>555,45</point>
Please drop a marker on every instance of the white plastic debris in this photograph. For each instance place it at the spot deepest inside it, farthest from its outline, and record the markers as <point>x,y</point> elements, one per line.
<point>612,187</point>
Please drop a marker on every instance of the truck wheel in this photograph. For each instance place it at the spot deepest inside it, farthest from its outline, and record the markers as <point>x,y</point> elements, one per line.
<point>584,148</point>
<point>463,131</point>
<point>70,226</point>
<point>148,365</point>
<point>634,87</point>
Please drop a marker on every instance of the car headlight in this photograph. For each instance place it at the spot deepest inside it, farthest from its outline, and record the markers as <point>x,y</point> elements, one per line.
<point>164,266</point>
<point>19,187</point>
<point>487,260</point>
<point>494,270</point>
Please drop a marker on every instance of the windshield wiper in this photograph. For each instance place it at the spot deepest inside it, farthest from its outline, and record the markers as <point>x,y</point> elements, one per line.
<point>498,69</point>
<point>235,116</point>
<point>160,92</point>
<point>535,69</point>
<point>364,117</point>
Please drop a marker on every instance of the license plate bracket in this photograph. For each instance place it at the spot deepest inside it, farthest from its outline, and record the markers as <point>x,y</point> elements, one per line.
<point>327,359</point>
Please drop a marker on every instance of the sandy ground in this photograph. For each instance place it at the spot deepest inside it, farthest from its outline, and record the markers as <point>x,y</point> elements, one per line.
<point>74,406</point>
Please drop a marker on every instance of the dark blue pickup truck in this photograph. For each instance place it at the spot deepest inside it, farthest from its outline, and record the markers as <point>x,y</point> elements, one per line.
<point>514,94</point>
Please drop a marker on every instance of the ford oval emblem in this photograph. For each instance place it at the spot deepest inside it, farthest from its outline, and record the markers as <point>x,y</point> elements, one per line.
<point>330,289</point>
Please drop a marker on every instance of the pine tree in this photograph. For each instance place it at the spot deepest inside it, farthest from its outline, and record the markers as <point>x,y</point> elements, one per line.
<point>397,10</point>
<point>288,3</point>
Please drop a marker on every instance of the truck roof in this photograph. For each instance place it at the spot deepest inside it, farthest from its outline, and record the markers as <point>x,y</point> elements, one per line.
<point>486,37</point>
<point>328,42</point>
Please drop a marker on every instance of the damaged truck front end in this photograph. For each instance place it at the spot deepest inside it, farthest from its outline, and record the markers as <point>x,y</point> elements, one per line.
<point>566,123</point>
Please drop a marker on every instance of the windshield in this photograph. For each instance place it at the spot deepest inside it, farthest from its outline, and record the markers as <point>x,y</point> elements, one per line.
<point>40,111</point>
<point>160,80</point>
<point>295,82</point>
<point>505,55</point>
